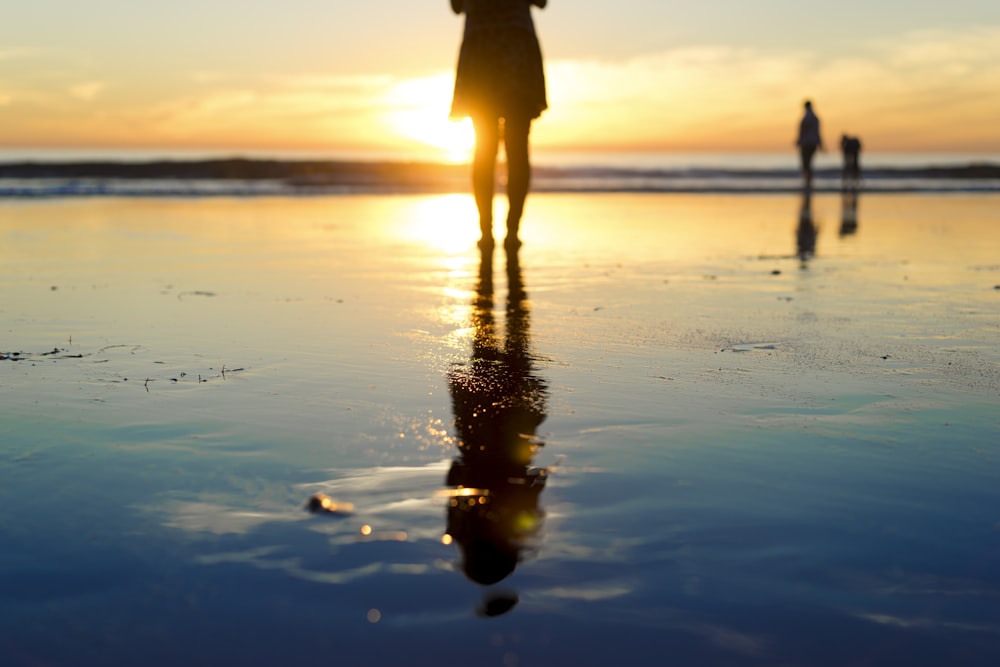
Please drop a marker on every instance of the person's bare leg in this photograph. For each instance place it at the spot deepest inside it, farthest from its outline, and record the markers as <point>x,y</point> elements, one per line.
<point>515,141</point>
<point>484,174</point>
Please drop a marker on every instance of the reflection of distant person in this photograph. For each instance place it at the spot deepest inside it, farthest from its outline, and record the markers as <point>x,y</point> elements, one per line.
<point>806,232</point>
<point>851,176</point>
<point>809,141</point>
<point>499,402</point>
<point>500,85</point>
<point>849,212</point>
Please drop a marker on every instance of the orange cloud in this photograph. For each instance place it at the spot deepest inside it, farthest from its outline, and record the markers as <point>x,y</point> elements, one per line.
<point>929,90</point>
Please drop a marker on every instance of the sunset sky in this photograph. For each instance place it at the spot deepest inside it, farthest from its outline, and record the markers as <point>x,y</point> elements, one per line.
<point>642,75</point>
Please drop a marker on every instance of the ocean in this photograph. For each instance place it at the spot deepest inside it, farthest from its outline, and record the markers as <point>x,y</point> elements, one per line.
<point>61,173</point>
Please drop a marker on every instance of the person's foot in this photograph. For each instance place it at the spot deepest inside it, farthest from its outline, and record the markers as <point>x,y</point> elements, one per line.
<point>511,243</point>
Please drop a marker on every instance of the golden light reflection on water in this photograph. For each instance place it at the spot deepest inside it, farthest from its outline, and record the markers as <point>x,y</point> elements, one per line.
<point>318,269</point>
<point>301,233</point>
<point>455,293</point>
<point>445,222</point>
<point>370,534</point>
<point>177,275</point>
<point>463,492</point>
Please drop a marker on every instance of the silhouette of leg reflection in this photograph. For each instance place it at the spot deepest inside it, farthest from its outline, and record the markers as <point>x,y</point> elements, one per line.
<point>498,401</point>
<point>849,213</point>
<point>806,232</point>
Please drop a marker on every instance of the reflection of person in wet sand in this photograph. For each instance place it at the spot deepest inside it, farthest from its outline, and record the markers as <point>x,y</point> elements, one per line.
<point>849,212</point>
<point>499,402</point>
<point>806,232</point>
<point>500,85</point>
<point>808,141</point>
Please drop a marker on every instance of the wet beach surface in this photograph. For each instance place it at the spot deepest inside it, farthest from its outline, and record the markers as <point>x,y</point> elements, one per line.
<point>729,430</point>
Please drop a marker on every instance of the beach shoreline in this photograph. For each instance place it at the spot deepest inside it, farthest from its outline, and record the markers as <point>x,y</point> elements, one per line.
<point>249,176</point>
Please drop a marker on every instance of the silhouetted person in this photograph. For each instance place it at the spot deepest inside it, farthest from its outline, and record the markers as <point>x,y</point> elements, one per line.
<point>850,178</point>
<point>499,402</point>
<point>809,141</point>
<point>849,212</point>
<point>500,85</point>
<point>806,232</point>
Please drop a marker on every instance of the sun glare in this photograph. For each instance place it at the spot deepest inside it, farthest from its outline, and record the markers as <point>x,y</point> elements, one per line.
<point>419,112</point>
<point>445,222</point>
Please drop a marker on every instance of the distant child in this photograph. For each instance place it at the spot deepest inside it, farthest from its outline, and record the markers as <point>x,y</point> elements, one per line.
<point>851,176</point>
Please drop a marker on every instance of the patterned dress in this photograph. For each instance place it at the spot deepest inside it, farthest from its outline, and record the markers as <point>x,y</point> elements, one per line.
<point>500,63</point>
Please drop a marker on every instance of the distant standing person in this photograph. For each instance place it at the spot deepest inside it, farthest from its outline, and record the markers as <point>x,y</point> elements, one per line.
<point>851,176</point>
<point>500,85</point>
<point>809,140</point>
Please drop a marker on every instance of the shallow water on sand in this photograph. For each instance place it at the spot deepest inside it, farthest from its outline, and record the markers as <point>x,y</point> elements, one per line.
<point>727,430</point>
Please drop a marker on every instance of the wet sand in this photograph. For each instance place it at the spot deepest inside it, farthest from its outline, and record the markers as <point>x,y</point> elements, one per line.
<point>768,431</point>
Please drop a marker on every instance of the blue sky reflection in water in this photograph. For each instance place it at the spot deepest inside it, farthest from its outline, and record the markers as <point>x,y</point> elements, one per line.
<point>753,457</point>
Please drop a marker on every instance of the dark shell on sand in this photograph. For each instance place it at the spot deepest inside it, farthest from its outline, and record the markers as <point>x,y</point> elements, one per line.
<point>320,503</point>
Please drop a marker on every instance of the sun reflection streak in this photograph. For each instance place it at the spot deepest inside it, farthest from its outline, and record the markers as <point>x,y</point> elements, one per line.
<point>444,222</point>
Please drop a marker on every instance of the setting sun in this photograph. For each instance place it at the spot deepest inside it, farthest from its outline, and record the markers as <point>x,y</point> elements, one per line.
<point>419,112</point>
